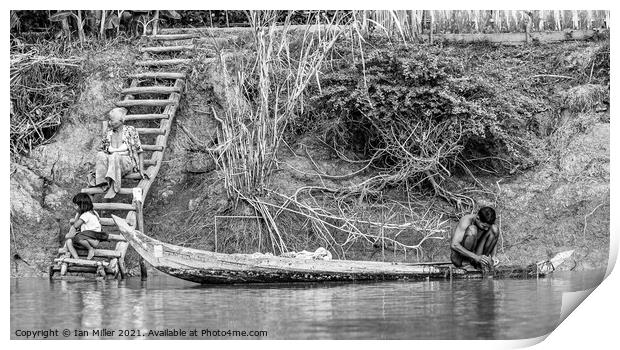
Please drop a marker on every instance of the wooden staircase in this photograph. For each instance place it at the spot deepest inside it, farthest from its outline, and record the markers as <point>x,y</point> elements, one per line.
<point>152,98</point>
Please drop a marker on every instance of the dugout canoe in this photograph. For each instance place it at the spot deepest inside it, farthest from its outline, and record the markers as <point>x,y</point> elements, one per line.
<point>207,267</point>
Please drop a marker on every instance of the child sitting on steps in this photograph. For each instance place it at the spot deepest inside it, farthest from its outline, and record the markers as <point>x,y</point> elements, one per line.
<point>89,226</point>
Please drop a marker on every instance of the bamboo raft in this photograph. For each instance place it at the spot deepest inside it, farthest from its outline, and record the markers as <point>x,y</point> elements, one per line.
<point>167,88</point>
<point>207,267</point>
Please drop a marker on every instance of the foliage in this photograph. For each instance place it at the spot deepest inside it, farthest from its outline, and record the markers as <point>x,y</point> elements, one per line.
<point>43,87</point>
<point>238,18</point>
<point>266,94</point>
<point>583,98</point>
<point>419,113</point>
<point>95,23</point>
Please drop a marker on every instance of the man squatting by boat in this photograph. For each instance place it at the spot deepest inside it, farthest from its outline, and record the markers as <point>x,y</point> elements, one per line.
<point>474,240</point>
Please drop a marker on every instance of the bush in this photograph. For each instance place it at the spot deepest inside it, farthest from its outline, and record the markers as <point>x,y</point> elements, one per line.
<point>420,113</point>
<point>43,88</point>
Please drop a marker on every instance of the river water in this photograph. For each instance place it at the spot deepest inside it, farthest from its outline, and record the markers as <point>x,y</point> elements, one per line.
<point>458,309</point>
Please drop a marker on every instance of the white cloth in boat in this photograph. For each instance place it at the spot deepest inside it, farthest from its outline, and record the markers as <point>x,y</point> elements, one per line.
<point>319,254</point>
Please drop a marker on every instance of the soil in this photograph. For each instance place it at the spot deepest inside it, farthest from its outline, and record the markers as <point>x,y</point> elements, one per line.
<point>561,204</point>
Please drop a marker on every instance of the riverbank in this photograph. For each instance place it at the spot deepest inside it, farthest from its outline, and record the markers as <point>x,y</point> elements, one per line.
<point>559,202</point>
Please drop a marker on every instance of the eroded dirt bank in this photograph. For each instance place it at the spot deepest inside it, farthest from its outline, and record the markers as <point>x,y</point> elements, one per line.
<point>561,203</point>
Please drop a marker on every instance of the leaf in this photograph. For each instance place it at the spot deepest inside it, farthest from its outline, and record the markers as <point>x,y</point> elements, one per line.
<point>171,14</point>
<point>112,22</point>
<point>14,20</point>
<point>59,16</point>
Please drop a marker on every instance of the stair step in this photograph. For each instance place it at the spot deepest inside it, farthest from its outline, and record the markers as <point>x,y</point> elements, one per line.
<point>159,49</point>
<point>149,170</point>
<point>133,176</point>
<point>99,190</point>
<point>133,103</point>
<point>149,162</point>
<point>151,131</point>
<point>158,75</point>
<point>150,90</point>
<point>82,262</point>
<point>116,237</point>
<point>153,148</point>
<point>159,63</point>
<point>113,206</point>
<point>103,253</point>
<point>107,222</point>
<point>183,30</point>
<point>74,268</point>
<point>165,37</point>
<point>155,116</point>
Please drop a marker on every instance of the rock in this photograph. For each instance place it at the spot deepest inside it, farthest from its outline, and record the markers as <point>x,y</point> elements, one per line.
<point>248,211</point>
<point>166,194</point>
<point>193,204</point>
<point>200,165</point>
<point>56,197</point>
<point>26,192</point>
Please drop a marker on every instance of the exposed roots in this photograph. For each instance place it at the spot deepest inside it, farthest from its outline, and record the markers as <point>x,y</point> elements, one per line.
<point>339,226</point>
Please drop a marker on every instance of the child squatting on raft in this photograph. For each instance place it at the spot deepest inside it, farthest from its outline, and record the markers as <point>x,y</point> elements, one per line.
<point>87,222</point>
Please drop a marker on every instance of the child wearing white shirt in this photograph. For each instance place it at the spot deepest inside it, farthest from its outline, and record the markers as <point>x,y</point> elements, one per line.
<point>89,226</point>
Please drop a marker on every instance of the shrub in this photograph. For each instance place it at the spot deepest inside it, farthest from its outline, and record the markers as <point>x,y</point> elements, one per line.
<point>420,114</point>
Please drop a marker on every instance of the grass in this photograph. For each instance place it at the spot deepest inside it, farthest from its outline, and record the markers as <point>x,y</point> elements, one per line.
<point>43,87</point>
<point>584,98</point>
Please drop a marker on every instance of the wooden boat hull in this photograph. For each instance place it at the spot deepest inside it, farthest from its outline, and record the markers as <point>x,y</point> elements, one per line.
<point>217,268</point>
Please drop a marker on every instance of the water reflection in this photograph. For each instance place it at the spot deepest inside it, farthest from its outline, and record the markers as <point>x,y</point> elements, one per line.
<point>474,309</point>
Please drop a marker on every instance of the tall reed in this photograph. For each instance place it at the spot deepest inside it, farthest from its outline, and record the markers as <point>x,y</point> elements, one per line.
<point>267,93</point>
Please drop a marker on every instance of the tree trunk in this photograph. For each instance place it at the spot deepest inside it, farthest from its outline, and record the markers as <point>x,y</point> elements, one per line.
<point>430,33</point>
<point>80,26</point>
<point>118,27</point>
<point>155,23</point>
<point>102,30</point>
<point>65,27</point>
